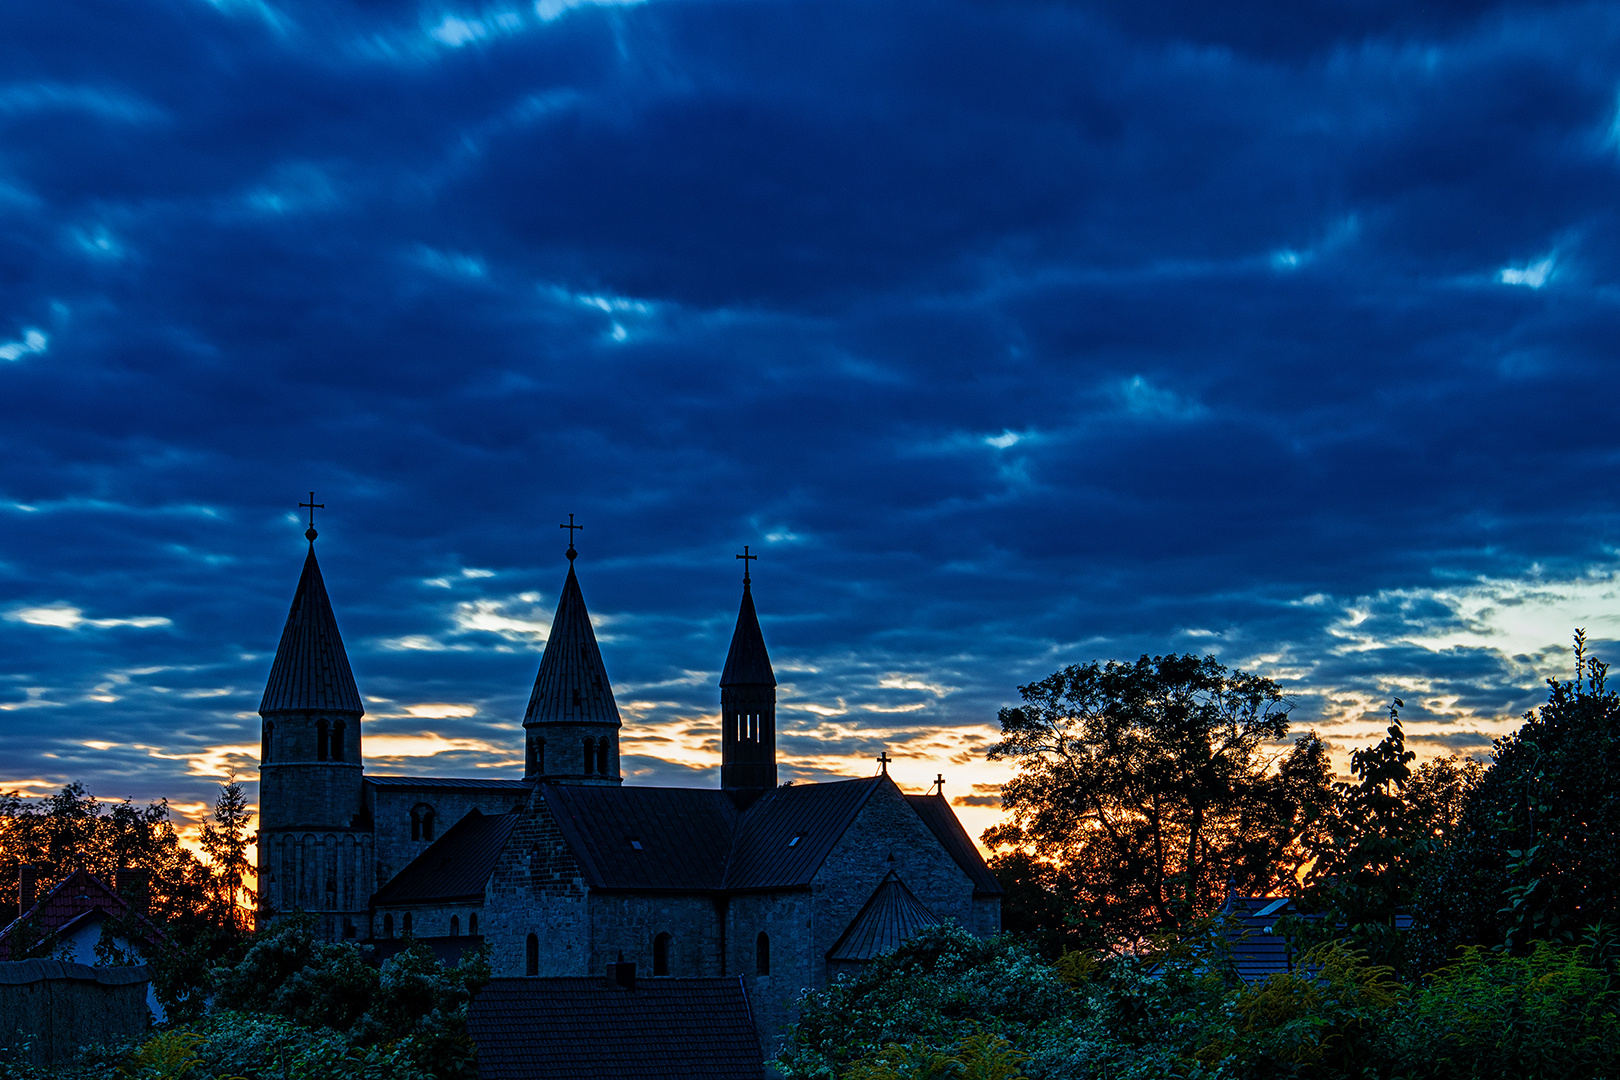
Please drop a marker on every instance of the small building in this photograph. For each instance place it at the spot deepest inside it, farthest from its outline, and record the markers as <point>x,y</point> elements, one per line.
<point>615,1028</point>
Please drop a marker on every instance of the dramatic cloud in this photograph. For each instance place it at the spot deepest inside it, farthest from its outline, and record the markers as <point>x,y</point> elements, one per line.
<point>1009,335</point>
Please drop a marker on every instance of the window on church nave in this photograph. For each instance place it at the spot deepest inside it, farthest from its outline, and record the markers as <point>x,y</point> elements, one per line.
<point>762,954</point>
<point>406,929</point>
<point>472,924</point>
<point>388,925</point>
<point>661,954</point>
<point>421,822</point>
<point>532,967</point>
<point>455,926</point>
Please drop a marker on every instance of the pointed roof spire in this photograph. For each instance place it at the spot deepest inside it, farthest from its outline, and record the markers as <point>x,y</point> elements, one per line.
<point>572,684</point>
<point>311,671</point>
<point>747,664</point>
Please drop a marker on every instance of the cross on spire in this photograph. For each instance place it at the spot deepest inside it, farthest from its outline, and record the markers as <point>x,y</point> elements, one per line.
<point>746,558</point>
<point>571,527</point>
<point>883,760</point>
<point>312,506</point>
<point>940,782</point>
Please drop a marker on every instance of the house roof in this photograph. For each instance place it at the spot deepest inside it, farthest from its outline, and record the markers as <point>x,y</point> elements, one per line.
<point>683,834</point>
<point>943,823</point>
<point>455,866</point>
<point>572,684</point>
<point>890,915</point>
<point>786,835</point>
<point>79,895</point>
<point>23,972</point>
<point>583,1028</point>
<point>311,670</point>
<point>747,662</point>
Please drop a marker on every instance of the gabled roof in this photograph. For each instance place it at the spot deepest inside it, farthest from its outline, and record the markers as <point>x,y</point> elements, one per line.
<point>784,837</point>
<point>683,833</point>
<point>572,684</point>
<point>890,915</point>
<point>455,866</point>
<point>311,670</point>
<point>78,896</point>
<point>747,662</point>
<point>582,1028</point>
<point>944,824</point>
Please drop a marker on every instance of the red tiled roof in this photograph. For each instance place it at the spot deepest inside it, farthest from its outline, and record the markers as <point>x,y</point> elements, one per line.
<point>76,896</point>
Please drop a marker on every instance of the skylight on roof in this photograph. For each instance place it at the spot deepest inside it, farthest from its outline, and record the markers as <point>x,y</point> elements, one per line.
<point>635,844</point>
<point>796,838</point>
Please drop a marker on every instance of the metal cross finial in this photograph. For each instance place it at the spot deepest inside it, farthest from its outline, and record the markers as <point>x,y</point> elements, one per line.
<point>571,527</point>
<point>746,558</point>
<point>312,505</point>
<point>940,780</point>
<point>883,762</point>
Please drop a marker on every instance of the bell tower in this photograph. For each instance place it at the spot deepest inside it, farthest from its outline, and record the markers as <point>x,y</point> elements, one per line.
<point>571,728</point>
<point>747,707</point>
<point>315,844</point>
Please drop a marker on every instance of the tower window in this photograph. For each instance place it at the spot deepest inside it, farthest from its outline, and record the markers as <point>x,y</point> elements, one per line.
<point>320,741</point>
<point>269,738</point>
<point>540,755</point>
<point>661,954</point>
<point>590,754</point>
<point>388,925</point>
<point>602,756</point>
<point>455,926</point>
<point>530,762</point>
<point>532,965</point>
<point>762,954</point>
<point>337,741</point>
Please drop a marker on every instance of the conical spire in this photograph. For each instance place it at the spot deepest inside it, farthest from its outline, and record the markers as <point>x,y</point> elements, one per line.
<point>747,664</point>
<point>311,671</point>
<point>572,685</point>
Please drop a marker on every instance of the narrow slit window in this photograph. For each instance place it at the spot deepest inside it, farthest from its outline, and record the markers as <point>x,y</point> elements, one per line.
<point>337,741</point>
<point>762,954</point>
<point>532,961</point>
<point>320,741</point>
<point>661,954</point>
<point>602,756</point>
<point>590,755</point>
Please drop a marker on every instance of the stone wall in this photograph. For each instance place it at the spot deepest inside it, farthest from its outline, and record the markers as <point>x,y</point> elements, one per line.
<point>786,918</point>
<point>390,809</point>
<point>537,888</point>
<point>627,923</point>
<point>429,920</point>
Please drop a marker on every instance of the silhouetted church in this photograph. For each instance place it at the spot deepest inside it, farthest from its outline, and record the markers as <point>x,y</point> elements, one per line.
<point>566,870</point>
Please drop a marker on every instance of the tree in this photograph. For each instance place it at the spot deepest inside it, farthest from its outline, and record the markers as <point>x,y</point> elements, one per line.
<point>225,839</point>
<point>1144,788</point>
<point>1536,855</point>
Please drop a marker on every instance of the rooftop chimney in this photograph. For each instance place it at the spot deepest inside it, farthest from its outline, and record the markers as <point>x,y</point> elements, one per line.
<point>134,884</point>
<point>622,975</point>
<point>27,887</point>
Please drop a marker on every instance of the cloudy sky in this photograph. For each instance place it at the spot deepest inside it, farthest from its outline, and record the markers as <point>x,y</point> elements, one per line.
<point>1009,334</point>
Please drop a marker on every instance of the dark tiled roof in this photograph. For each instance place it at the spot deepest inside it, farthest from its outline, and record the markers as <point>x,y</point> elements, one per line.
<point>75,897</point>
<point>747,663</point>
<point>572,684</point>
<point>311,670</point>
<point>22,972</point>
<point>445,783</point>
<point>1256,951</point>
<point>446,950</point>
<point>684,834</point>
<point>454,866</point>
<point>584,1029</point>
<point>943,823</point>
<point>765,854</point>
<point>891,915</point>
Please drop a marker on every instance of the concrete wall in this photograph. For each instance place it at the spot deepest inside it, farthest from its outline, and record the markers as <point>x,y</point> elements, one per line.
<point>537,888</point>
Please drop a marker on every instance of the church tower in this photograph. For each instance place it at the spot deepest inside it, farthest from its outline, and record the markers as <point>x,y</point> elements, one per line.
<point>747,707</point>
<point>315,844</point>
<point>571,728</point>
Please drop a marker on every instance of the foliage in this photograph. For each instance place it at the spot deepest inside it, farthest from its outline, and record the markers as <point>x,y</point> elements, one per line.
<point>983,1055</point>
<point>1535,854</point>
<point>225,839</point>
<point>73,830</point>
<point>1144,788</point>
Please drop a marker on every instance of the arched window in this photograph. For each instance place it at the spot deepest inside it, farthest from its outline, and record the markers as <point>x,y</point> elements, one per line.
<point>762,954</point>
<point>337,741</point>
<point>269,737</point>
<point>427,824</point>
<point>602,756</point>
<point>416,823</point>
<point>407,927</point>
<point>421,822</point>
<point>661,954</point>
<point>320,741</point>
<point>388,925</point>
<point>472,924</point>
<point>590,755</point>
<point>455,926</point>
<point>533,964</point>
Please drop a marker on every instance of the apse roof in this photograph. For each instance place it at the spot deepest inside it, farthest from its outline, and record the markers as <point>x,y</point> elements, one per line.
<point>572,684</point>
<point>311,670</point>
<point>890,915</point>
<point>747,663</point>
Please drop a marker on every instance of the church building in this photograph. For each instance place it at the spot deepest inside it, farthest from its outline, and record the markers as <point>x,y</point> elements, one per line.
<point>566,870</point>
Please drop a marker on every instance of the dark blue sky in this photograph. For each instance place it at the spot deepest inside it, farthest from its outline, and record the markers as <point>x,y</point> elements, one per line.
<point>1009,334</point>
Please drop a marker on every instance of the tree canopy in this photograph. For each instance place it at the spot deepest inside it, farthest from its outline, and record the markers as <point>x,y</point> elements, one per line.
<point>1144,789</point>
